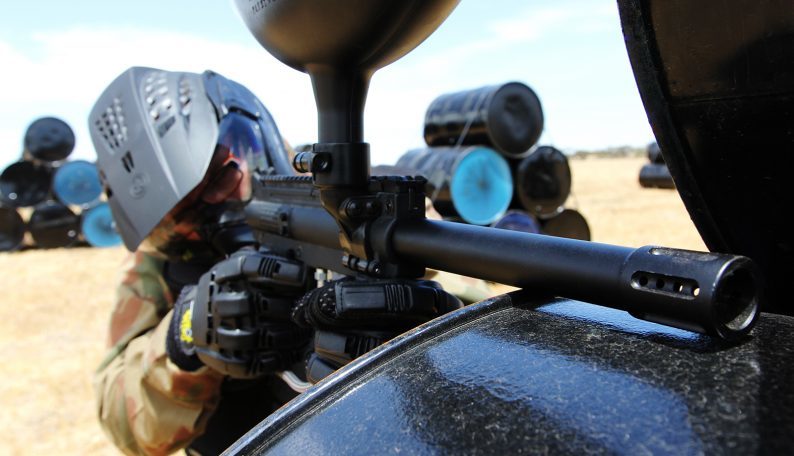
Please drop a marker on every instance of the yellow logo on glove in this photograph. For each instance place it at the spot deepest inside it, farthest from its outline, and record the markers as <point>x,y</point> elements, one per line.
<point>185,330</point>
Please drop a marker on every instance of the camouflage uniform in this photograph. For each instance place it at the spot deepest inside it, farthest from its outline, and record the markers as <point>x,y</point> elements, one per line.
<point>146,404</point>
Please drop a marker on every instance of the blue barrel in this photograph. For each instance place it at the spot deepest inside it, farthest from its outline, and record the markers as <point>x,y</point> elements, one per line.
<point>98,227</point>
<point>77,183</point>
<point>471,183</point>
<point>12,229</point>
<point>518,221</point>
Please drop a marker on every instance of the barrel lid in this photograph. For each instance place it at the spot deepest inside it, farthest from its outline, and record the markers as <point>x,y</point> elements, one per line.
<point>24,184</point>
<point>12,229</point>
<point>49,139</point>
<point>481,186</point>
<point>77,183</point>
<point>53,225</point>
<point>570,224</point>
<point>98,227</point>
<point>518,221</point>
<point>515,119</point>
<point>543,180</point>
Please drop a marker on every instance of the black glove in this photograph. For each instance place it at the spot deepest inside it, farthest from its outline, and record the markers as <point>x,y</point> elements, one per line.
<point>237,319</point>
<point>353,316</point>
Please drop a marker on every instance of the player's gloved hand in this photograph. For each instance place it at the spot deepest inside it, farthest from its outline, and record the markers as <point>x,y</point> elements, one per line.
<point>352,316</point>
<point>237,319</point>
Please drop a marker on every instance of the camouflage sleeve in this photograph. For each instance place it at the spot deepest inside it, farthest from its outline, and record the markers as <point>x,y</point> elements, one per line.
<point>146,404</point>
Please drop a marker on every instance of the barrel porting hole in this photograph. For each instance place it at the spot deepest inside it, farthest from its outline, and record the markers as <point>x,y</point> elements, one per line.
<point>660,283</point>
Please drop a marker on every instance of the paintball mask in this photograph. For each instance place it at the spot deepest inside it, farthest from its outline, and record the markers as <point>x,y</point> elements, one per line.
<point>176,153</point>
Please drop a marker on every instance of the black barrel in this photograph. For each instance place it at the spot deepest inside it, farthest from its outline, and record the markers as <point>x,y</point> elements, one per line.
<point>24,184</point>
<point>49,139</point>
<point>518,221</point>
<point>12,229</point>
<point>569,224</point>
<point>471,183</point>
<point>655,153</point>
<point>542,181</point>
<point>53,225</point>
<point>507,117</point>
<point>654,175</point>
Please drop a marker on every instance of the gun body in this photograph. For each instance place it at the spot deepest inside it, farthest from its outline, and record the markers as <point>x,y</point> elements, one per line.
<point>704,292</point>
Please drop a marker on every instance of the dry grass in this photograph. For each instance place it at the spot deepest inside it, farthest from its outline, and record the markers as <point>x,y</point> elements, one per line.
<point>55,305</point>
<point>619,211</point>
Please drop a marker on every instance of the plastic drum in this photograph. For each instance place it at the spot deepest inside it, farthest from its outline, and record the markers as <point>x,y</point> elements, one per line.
<point>518,221</point>
<point>507,117</point>
<point>24,184</point>
<point>99,228</point>
<point>53,225</point>
<point>77,183</point>
<point>12,229</point>
<point>543,181</point>
<point>473,183</point>
<point>49,139</point>
<point>568,224</point>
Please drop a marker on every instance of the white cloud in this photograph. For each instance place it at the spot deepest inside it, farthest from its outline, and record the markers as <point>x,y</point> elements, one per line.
<point>63,73</point>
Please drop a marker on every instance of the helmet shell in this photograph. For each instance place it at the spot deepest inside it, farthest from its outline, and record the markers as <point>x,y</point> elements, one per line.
<point>154,133</point>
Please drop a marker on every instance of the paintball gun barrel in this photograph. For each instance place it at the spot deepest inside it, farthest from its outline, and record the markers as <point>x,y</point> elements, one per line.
<point>704,292</point>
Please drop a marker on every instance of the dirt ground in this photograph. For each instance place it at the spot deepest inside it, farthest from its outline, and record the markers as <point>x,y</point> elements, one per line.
<point>55,305</point>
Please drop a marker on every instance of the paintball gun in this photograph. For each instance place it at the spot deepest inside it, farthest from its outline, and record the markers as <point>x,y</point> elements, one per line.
<point>342,219</point>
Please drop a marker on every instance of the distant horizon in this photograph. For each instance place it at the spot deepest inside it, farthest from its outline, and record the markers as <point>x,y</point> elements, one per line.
<point>570,52</point>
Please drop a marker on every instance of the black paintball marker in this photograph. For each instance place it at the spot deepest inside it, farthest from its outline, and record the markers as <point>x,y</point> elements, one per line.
<point>342,219</point>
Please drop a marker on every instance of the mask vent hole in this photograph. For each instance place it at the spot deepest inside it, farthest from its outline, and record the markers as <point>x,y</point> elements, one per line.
<point>126,160</point>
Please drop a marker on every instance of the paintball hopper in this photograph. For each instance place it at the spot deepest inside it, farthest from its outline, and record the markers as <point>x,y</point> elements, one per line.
<point>340,43</point>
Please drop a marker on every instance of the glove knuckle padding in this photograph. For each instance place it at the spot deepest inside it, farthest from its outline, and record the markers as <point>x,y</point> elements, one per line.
<point>274,271</point>
<point>242,315</point>
<point>261,268</point>
<point>229,304</point>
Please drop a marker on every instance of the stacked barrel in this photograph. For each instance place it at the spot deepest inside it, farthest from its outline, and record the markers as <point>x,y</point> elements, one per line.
<point>483,167</point>
<point>656,174</point>
<point>61,198</point>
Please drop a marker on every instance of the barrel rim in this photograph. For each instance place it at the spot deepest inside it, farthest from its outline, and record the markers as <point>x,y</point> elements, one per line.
<point>489,123</point>
<point>501,162</point>
<point>18,225</point>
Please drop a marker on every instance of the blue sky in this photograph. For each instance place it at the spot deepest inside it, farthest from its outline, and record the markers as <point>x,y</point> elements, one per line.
<point>58,56</point>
